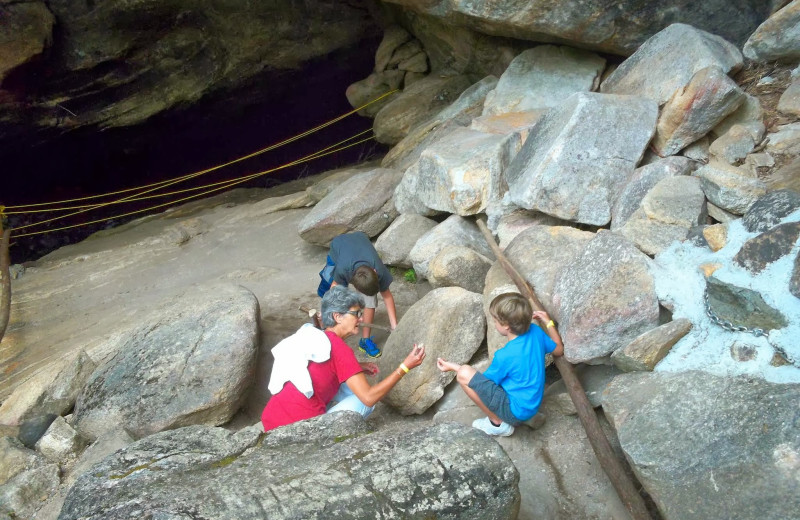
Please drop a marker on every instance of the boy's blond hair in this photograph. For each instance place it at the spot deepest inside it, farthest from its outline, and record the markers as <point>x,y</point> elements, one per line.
<point>512,309</point>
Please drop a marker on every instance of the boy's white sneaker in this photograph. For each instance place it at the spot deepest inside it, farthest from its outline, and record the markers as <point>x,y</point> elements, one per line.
<point>486,426</point>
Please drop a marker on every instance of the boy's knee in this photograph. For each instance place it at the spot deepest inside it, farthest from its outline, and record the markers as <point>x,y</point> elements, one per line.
<point>465,374</point>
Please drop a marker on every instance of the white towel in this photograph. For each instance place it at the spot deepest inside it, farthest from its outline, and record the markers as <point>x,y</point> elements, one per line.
<point>292,356</point>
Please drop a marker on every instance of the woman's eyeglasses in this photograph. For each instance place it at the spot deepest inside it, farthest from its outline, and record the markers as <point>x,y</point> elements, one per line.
<point>357,314</point>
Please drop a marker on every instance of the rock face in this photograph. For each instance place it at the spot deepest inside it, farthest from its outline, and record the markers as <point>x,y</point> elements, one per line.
<point>569,169</point>
<point>25,33</point>
<point>617,28</point>
<point>329,467</point>
<point>702,450</point>
<point>192,366</point>
<point>606,298</point>
<point>117,64</point>
<point>449,321</point>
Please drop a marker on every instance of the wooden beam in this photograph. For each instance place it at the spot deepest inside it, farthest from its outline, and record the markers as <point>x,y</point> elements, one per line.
<point>613,467</point>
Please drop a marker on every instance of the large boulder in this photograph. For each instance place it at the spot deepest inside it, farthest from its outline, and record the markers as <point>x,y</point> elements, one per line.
<point>700,447</point>
<point>193,365</point>
<point>617,28</point>
<point>730,188</point>
<point>454,335</point>
<point>778,38</point>
<point>26,31</point>
<point>396,242</point>
<point>605,298</point>
<point>543,77</point>
<point>668,60</point>
<point>571,169</point>
<point>461,173</point>
<point>325,467</point>
<point>26,480</point>
<point>455,230</point>
<point>416,104</point>
<point>361,203</point>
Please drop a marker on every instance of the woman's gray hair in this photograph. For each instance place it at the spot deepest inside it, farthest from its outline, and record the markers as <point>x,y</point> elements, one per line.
<point>338,299</point>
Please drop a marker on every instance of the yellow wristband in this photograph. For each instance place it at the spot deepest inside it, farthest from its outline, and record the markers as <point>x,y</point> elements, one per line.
<point>550,324</point>
<point>403,367</point>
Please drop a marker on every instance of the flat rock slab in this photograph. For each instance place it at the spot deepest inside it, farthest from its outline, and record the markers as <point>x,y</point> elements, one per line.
<point>742,463</point>
<point>192,365</point>
<point>570,169</point>
<point>327,467</point>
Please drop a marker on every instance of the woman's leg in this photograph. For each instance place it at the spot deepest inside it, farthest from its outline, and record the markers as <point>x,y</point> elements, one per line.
<point>345,399</point>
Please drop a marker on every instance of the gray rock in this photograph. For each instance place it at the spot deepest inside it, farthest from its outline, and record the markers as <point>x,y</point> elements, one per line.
<point>332,179</point>
<point>416,63</point>
<point>605,298</point>
<point>651,236</point>
<point>404,52</point>
<point>543,77</point>
<point>455,230</point>
<point>697,151</point>
<point>369,90</point>
<point>519,123</point>
<point>567,169</point>
<point>718,456</point>
<point>676,200</point>
<point>789,102</point>
<point>794,281</point>
<point>786,140</point>
<point>693,110</point>
<point>593,379</point>
<point>644,353</point>
<point>778,38</point>
<point>458,266</point>
<point>311,469</point>
<point>668,60</point>
<point>361,203</point>
<point>194,365</point>
<point>742,352</point>
<point>16,458</point>
<point>393,37</point>
<point>449,321</point>
<point>734,146</point>
<point>730,188</point>
<point>719,214</point>
<point>769,210</point>
<point>23,494</point>
<point>461,173</point>
<point>742,306</point>
<point>643,180</point>
<point>514,223</point>
<point>60,442</point>
<point>749,112</point>
<point>459,113</point>
<point>396,242</point>
<point>46,395</point>
<point>416,104</point>
<point>770,246</point>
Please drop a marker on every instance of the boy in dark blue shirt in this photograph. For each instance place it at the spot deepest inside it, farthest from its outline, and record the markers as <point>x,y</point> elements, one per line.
<point>510,391</point>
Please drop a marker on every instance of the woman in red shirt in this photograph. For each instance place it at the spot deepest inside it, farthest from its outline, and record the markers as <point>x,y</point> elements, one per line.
<point>341,374</point>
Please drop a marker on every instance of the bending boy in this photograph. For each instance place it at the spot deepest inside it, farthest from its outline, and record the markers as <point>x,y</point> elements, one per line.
<point>510,391</point>
<point>352,259</point>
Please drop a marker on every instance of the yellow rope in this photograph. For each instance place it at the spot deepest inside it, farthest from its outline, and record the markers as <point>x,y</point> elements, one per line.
<point>137,198</point>
<point>213,168</point>
<point>229,184</point>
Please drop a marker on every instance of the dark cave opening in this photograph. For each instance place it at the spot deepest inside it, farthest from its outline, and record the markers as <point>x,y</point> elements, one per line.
<point>224,126</point>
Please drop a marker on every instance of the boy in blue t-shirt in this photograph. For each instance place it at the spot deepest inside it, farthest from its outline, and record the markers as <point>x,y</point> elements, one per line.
<point>511,389</point>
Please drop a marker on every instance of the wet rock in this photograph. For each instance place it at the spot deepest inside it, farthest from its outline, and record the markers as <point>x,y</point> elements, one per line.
<point>449,321</point>
<point>566,169</point>
<point>644,353</point>
<point>742,306</point>
<point>769,210</point>
<point>718,455</point>
<point>770,246</point>
<point>543,77</point>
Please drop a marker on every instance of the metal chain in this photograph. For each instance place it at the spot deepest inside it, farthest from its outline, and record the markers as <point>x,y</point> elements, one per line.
<point>755,331</point>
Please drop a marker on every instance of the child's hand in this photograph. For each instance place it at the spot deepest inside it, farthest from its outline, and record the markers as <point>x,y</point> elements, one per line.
<point>446,366</point>
<point>541,316</point>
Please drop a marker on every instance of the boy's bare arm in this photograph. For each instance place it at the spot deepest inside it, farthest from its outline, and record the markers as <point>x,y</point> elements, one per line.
<point>551,330</point>
<point>388,300</point>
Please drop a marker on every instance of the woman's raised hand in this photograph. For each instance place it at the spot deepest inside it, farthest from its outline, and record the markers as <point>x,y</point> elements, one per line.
<point>415,357</point>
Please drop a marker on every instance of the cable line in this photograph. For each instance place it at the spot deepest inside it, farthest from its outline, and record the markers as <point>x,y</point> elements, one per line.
<point>213,168</point>
<point>229,184</point>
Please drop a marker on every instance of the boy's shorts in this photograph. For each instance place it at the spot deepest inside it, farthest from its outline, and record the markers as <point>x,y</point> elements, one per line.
<point>494,397</point>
